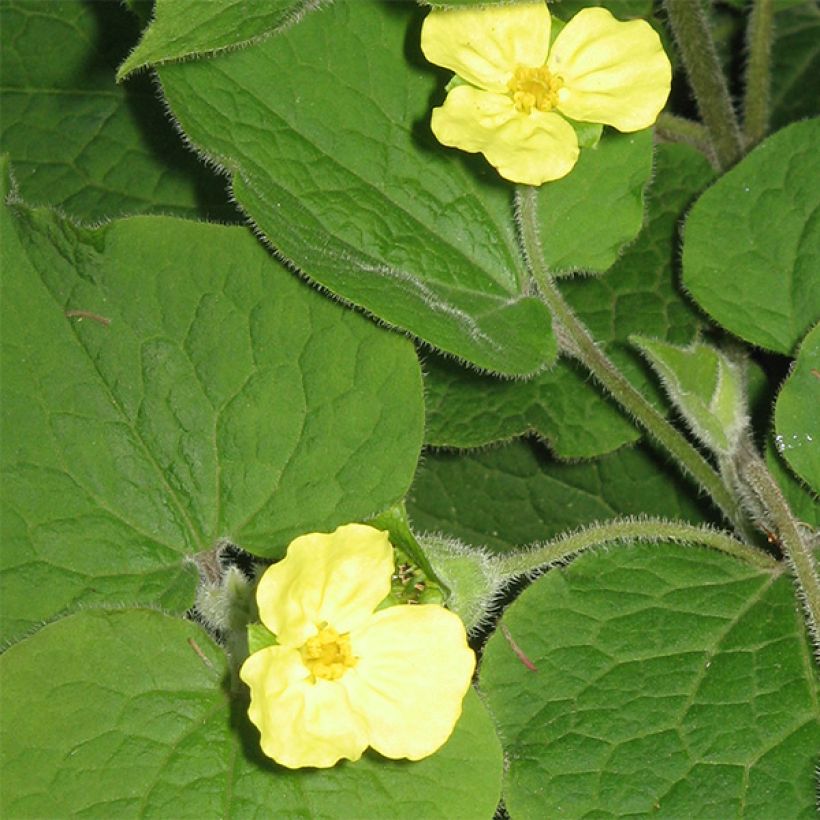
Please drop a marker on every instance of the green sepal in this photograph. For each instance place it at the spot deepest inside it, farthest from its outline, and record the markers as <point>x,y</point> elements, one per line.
<point>588,133</point>
<point>455,82</point>
<point>472,577</point>
<point>394,521</point>
<point>260,637</point>
<point>705,386</point>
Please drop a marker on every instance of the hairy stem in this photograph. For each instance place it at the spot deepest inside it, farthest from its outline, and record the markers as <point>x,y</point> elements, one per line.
<point>576,341</point>
<point>758,81</point>
<point>629,529</point>
<point>672,128</point>
<point>796,548</point>
<point>697,48</point>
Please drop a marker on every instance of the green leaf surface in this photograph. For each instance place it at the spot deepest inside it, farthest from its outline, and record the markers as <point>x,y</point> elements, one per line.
<point>325,129</point>
<point>158,401</point>
<point>796,416</point>
<point>795,62</point>
<point>638,295</point>
<point>76,139</point>
<point>514,495</point>
<point>127,713</point>
<point>752,242</point>
<point>183,29</point>
<point>588,216</point>
<point>669,682</point>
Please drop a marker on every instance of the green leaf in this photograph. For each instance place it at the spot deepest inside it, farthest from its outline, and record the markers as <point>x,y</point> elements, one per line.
<point>752,242</point>
<point>622,9</point>
<point>76,139</point>
<point>796,413</point>
<point>795,62</point>
<point>705,386</point>
<point>157,401</point>
<point>588,216</point>
<point>124,713</point>
<point>325,130</point>
<point>182,29</point>
<point>638,295</point>
<point>514,495</point>
<point>669,681</point>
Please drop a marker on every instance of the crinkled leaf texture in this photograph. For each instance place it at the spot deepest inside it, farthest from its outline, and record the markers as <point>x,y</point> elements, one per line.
<point>167,384</point>
<point>751,247</point>
<point>324,128</point>
<point>127,713</point>
<point>796,418</point>
<point>639,294</point>
<point>669,681</point>
<point>77,140</point>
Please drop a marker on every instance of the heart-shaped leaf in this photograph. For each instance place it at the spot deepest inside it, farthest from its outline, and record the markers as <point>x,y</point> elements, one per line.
<point>661,681</point>
<point>324,129</point>
<point>168,384</point>
<point>752,242</point>
<point>129,713</point>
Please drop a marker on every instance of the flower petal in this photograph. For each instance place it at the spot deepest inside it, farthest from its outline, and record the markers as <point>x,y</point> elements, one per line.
<point>614,73</point>
<point>301,723</point>
<point>413,672</point>
<point>529,148</point>
<point>484,45</point>
<point>338,578</point>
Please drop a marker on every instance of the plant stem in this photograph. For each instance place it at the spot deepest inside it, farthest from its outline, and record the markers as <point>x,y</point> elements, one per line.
<point>672,128</point>
<point>697,48</point>
<point>629,529</point>
<point>756,94</point>
<point>798,552</point>
<point>575,340</point>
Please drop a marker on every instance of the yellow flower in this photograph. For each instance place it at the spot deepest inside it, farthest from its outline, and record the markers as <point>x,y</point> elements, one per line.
<point>343,676</point>
<point>515,87</point>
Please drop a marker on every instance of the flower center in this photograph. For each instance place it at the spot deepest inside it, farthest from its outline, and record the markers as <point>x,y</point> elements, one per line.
<point>327,654</point>
<point>534,88</point>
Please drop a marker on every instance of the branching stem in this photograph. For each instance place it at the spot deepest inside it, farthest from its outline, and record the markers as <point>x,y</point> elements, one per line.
<point>797,550</point>
<point>697,49</point>
<point>629,529</point>
<point>576,341</point>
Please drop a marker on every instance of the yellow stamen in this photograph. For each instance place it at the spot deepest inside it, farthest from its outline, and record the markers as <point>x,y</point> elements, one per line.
<point>328,654</point>
<point>534,88</point>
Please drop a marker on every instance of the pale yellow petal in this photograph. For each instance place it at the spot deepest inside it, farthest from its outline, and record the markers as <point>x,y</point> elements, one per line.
<point>301,723</point>
<point>413,672</point>
<point>337,578</point>
<point>484,45</point>
<point>615,73</point>
<point>528,148</point>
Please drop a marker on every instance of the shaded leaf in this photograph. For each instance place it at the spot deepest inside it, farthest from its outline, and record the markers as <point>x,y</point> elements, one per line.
<point>76,139</point>
<point>513,495</point>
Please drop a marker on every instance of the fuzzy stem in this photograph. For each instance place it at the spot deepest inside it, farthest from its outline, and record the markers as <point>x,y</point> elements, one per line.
<point>798,552</point>
<point>672,128</point>
<point>756,95</point>
<point>576,341</point>
<point>643,529</point>
<point>697,48</point>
